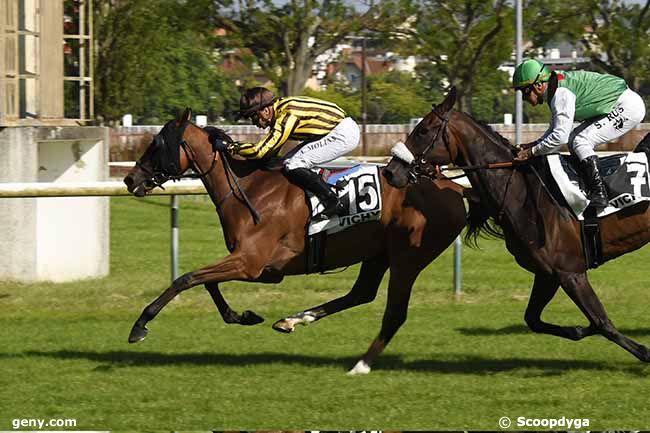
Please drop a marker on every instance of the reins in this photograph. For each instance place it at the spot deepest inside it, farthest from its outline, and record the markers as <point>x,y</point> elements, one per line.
<point>434,171</point>
<point>158,178</point>
<point>230,174</point>
<point>197,172</point>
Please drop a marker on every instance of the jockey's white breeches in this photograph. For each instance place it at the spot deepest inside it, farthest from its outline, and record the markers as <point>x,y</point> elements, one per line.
<point>341,140</point>
<point>627,113</point>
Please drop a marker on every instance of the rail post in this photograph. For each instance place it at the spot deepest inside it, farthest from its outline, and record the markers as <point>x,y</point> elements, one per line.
<point>174,233</point>
<point>457,266</point>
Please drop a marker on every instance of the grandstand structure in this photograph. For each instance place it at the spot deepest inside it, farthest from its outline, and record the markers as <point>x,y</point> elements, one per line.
<point>46,108</point>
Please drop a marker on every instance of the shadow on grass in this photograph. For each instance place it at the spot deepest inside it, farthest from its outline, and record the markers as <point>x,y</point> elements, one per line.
<point>452,364</point>
<point>481,331</point>
<point>523,329</point>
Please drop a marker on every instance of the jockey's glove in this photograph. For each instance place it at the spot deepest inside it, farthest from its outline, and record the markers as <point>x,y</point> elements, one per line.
<point>219,145</point>
<point>233,148</point>
<point>528,145</point>
<point>524,154</point>
<point>517,148</point>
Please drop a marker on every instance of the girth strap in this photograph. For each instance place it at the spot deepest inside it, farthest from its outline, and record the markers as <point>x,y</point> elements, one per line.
<point>592,241</point>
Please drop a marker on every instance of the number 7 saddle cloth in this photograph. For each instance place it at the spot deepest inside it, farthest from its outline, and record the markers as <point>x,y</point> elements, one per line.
<point>625,175</point>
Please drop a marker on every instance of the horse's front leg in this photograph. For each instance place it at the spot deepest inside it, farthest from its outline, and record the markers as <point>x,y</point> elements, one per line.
<point>233,267</point>
<point>402,277</point>
<point>544,289</point>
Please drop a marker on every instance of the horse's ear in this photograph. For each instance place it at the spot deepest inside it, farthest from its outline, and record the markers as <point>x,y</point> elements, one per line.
<point>449,101</point>
<point>187,115</point>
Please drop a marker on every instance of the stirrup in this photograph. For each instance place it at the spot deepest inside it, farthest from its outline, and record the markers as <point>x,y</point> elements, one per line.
<point>330,211</point>
<point>598,201</point>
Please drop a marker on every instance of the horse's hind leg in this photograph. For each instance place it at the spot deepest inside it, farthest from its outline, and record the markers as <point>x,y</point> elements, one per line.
<point>399,292</point>
<point>544,289</point>
<point>364,291</point>
<point>233,267</point>
<point>580,291</point>
<point>229,315</point>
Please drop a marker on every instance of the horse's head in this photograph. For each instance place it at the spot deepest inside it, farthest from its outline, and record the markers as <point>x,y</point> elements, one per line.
<point>175,149</point>
<point>162,160</point>
<point>428,144</point>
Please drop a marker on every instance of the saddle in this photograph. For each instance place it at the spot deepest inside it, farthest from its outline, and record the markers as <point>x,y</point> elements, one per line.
<point>359,189</point>
<point>626,177</point>
<point>627,181</point>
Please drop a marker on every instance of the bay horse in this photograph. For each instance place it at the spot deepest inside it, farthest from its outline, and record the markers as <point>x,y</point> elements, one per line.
<point>544,237</point>
<point>264,221</point>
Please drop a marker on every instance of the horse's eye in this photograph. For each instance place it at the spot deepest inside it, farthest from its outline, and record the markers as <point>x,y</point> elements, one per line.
<point>423,131</point>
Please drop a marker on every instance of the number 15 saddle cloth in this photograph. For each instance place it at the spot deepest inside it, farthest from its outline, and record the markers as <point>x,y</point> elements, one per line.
<point>359,189</point>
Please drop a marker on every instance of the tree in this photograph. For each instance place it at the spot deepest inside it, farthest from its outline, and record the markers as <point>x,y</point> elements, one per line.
<point>396,97</point>
<point>465,42</point>
<point>287,37</point>
<point>393,97</point>
<point>613,33</point>
<point>151,61</point>
<point>618,42</point>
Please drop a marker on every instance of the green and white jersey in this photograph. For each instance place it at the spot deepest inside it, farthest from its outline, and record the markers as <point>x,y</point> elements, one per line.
<point>595,93</point>
<point>580,95</point>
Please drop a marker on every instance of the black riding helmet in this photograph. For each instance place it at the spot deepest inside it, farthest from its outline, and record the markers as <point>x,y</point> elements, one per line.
<point>253,100</point>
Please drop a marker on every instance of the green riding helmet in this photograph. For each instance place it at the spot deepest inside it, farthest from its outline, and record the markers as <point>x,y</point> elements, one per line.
<point>530,71</point>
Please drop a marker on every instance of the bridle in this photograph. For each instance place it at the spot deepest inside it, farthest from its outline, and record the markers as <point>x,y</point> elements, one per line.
<point>165,169</point>
<point>418,166</point>
<point>168,168</point>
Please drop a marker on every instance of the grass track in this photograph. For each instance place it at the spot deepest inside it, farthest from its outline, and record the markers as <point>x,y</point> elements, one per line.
<point>455,364</point>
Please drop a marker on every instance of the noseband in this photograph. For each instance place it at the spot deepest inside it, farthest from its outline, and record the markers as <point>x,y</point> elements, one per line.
<point>418,165</point>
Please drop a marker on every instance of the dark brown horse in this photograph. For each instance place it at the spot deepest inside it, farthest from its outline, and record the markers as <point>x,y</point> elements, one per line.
<point>417,224</point>
<point>544,237</point>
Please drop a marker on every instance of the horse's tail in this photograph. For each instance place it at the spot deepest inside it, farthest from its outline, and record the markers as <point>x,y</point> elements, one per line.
<point>479,223</point>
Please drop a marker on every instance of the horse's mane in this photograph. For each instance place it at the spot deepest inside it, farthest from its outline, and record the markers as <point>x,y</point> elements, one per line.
<point>480,224</point>
<point>490,131</point>
<point>479,221</point>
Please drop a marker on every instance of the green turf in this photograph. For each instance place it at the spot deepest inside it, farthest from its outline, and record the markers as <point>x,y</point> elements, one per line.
<point>455,364</point>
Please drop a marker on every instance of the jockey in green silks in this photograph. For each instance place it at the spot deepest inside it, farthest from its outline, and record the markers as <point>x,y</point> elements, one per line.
<point>603,103</point>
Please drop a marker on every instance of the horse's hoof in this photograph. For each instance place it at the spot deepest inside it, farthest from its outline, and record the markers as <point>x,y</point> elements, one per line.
<point>578,333</point>
<point>285,326</point>
<point>646,354</point>
<point>250,318</point>
<point>360,368</point>
<point>138,333</point>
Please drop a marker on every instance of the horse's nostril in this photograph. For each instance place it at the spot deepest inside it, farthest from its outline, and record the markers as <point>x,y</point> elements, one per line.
<point>388,174</point>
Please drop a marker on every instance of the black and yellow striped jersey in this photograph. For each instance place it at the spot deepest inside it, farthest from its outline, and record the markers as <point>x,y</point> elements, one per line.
<point>296,118</point>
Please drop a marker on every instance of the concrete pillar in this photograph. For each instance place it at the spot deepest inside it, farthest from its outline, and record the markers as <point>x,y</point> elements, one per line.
<point>54,239</point>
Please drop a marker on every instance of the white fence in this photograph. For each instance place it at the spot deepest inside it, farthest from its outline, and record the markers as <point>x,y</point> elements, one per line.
<point>117,188</point>
<point>91,189</point>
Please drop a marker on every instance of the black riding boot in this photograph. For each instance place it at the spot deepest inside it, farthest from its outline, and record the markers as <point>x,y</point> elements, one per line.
<point>596,192</point>
<point>313,182</point>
